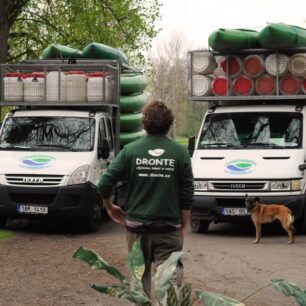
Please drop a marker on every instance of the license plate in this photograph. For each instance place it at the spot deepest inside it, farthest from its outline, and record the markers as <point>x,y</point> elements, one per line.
<point>234,211</point>
<point>28,209</point>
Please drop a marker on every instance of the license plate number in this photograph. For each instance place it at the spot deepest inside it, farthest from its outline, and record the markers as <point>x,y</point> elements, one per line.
<point>234,211</point>
<point>29,209</point>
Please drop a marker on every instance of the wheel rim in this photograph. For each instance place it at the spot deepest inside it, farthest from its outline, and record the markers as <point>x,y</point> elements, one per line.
<point>195,223</point>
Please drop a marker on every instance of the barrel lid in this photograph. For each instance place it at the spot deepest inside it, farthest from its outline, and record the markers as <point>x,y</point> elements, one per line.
<point>13,75</point>
<point>76,72</point>
<point>34,75</point>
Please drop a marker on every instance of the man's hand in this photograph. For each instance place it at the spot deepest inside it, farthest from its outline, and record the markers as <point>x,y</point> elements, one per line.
<point>116,213</point>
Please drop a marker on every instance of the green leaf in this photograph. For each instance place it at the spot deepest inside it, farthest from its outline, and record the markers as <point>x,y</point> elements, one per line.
<point>212,299</point>
<point>135,264</point>
<point>122,292</point>
<point>164,273</point>
<point>185,295</point>
<point>172,299</point>
<point>290,289</point>
<point>98,263</point>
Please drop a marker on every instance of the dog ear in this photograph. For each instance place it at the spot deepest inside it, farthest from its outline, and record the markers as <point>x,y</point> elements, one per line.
<point>257,199</point>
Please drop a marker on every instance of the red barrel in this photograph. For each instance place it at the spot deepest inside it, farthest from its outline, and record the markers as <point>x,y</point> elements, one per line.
<point>303,85</point>
<point>253,66</point>
<point>233,64</point>
<point>243,86</point>
<point>265,85</point>
<point>289,85</point>
<point>221,86</point>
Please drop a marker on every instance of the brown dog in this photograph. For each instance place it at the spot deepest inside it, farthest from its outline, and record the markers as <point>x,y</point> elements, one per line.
<point>262,213</point>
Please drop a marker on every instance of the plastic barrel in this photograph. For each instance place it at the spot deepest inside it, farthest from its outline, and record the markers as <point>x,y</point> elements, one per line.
<point>232,66</point>
<point>297,64</point>
<point>277,64</point>
<point>265,85</point>
<point>203,63</point>
<point>132,83</point>
<point>289,85</point>
<point>253,65</point>
<point>221,86</point>
<point>243,86</point>
<point>201,85</point>
<point>130,122</point>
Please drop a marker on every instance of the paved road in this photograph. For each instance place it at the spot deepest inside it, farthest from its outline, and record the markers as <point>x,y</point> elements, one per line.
<point>37,268</point>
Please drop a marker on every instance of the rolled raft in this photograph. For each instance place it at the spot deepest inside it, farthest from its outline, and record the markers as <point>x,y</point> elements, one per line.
<point>281,35</point>
<point>60,51</point>
<point>127,137</point>
<point>133,102</point>
<point>132,83</point>
<point>130,122</point>
<point>101,51</point>
<point>233,39</point>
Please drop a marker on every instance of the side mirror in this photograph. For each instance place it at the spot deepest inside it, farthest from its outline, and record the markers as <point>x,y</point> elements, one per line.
<point>302,167</point>
<point>104,150</point>
<point>191,145</point>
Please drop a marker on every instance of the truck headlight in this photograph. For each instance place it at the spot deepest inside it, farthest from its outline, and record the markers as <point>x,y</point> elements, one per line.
<point>79,176</point>
<point>280,185</point>
<point>200,185</point>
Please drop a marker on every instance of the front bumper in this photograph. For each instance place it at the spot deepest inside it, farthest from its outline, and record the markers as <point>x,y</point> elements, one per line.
<point>69,201</point>
<point>209,208</point>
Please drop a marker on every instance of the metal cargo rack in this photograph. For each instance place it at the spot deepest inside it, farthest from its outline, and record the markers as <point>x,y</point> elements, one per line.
<point>254,98</point>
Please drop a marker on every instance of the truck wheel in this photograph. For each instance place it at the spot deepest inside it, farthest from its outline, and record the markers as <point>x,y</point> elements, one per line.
<point>300,224</point>
<point>92,223</point>
<point>2,222</point>
<point>199,226</point>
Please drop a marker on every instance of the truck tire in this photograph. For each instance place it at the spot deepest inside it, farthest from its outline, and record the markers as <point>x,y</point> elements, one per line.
<point>199,226</point>
<point>300,224</point>
<point>92,223</point>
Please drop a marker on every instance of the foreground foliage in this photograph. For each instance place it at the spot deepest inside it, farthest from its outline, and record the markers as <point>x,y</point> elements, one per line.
<point>164,290</point>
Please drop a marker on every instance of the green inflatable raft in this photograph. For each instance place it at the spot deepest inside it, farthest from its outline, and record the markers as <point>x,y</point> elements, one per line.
<point>60,51</point>
<point>281,35</point>
<point>233,39</point>
<point>130,122</point>
<point>132,103</point>
<point>101,51</point>
<point>127,137</point>
<point>132,83</point>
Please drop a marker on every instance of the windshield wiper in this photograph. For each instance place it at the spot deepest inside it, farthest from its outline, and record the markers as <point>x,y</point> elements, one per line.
<point>264,145</point>
<point>57,146</point>
<point>16,148</point>
<point>220,144</point>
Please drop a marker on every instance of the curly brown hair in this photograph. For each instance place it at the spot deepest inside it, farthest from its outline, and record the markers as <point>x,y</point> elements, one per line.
<point>157,118</point>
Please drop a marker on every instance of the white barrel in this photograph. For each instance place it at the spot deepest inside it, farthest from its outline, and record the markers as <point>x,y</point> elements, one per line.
<point>277,64</point>
<point>13,87</point>
<point>55,86</point>
<point>203,63</point>
<point>297,64</point>
<point>75,86</point>
<point>98,87</point>
<point>201,85</point>
<point>34,87</point>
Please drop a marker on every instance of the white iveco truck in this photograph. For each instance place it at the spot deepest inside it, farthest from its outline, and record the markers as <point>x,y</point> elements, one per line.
<point>252,139</point>
<point>57,138</point>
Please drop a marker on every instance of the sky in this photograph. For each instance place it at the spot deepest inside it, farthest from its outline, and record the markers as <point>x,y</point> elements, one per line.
<point>194,20</point>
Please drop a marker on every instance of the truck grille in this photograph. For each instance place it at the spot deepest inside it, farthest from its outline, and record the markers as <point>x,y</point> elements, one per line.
<point>33,180</point>
<point>238,185</point>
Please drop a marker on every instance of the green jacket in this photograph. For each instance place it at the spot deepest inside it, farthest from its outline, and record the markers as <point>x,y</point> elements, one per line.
<point>160,180</point>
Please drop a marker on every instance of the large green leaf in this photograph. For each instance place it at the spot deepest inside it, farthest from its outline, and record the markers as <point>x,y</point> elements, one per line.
<point>164,273</point>
<point>290,289</point>
<point>212,299</point>
<point>98,263</point>
<point>123,292</point>
<point>185,295</point>
<point>172,299</point>
<point>135,264</point>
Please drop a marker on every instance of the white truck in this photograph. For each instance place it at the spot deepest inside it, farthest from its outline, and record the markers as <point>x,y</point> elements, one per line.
<point>56,140</point>
<point>247,144</point>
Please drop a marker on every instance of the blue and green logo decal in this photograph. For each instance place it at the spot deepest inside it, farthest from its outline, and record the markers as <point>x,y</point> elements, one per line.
<point>239,166</point>
<point>36,161</point>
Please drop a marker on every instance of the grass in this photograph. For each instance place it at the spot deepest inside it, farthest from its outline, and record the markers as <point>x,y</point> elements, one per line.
<point>6,234</point>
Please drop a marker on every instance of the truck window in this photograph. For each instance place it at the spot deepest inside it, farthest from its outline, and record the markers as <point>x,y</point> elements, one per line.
<point>48,134</point>
<point>274,130</point>
<point>110,133</point>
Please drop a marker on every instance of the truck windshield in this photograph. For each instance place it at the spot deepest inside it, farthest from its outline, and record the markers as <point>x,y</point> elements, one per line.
<point>48,134</point>
<point>269,130</point>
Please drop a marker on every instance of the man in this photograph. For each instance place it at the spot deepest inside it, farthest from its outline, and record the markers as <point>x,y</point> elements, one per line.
<point>159,193</point>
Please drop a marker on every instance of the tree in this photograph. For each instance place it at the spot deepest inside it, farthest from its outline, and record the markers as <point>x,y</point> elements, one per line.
<point>127,24</point>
